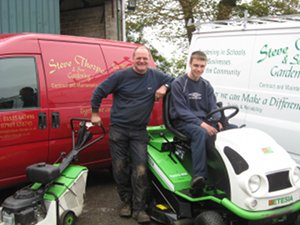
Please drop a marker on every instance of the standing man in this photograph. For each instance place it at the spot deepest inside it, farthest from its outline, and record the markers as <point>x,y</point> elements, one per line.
<point>134,90</point>
<point>192,99</point>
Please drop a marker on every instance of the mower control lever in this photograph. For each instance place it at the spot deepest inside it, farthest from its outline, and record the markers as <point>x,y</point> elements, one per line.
<point>164,137</point>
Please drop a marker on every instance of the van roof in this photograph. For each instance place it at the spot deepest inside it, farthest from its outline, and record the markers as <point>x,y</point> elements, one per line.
<point>249,23</point>
<point>27,42</point>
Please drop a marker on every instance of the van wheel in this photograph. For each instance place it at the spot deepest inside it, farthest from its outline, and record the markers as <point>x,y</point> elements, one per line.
<point>68,218</point>
<point>209,218</point>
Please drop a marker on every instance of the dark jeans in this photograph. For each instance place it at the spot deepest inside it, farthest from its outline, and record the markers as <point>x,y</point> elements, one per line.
<point>129,160</point>
<point>198,139</point>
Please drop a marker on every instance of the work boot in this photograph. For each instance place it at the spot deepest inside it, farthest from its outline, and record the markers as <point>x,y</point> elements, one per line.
<point>197,185</point>
<point>141,216</point>
<point>125,210</point>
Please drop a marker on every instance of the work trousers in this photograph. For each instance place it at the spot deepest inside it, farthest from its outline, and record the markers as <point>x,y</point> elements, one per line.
<point>128,149</point>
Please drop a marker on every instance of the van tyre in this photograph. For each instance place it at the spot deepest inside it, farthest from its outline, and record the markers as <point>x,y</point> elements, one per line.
<point>209,218</point>
<point>68,218</point>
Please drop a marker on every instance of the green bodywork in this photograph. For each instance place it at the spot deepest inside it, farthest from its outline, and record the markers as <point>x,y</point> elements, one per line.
<point>171,174</point>
<point>63,182</point>
<point>169,166</point>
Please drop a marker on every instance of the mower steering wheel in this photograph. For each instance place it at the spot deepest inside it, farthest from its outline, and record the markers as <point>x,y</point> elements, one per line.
<point>223,119</point>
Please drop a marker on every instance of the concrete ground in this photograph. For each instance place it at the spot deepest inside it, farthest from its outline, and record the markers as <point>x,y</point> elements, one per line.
<point>102,202</point>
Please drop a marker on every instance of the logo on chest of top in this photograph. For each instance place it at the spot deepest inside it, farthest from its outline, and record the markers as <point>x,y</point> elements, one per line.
<point>195,96</point>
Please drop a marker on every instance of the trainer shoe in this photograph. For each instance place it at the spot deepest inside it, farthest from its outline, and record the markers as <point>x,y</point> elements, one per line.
<point>141,216</point>
<point>197,185</point>
<point>125,210</point>
<point>198,182</point>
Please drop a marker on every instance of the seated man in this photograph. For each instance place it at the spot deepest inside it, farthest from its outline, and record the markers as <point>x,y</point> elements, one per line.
<point>192,98</point>
<point>28,97</point>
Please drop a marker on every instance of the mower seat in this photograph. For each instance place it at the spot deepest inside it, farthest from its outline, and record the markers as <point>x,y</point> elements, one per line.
<point>167,119</point>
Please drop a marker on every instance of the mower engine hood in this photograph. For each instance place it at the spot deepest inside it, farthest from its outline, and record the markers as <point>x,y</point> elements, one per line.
<point>262,175</point>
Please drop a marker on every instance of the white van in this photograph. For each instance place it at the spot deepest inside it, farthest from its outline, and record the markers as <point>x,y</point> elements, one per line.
<point>255,65</point>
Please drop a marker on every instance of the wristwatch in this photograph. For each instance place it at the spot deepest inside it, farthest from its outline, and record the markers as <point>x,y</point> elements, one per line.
<point>167,86</point>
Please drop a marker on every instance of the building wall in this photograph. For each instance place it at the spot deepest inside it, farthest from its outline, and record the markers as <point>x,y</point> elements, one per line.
<point>113,20</point>
<point>97,19</point>
<point>40,16</point>
<point>84,22</point>
<point>90,18</point>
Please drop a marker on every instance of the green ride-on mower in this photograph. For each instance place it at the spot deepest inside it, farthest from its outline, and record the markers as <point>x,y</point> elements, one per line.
<point>251,179</point>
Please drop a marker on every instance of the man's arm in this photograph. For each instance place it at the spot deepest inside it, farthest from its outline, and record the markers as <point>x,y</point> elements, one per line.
<point>101,91</point>
<point>182,111</point>
<point>96,100</point>
<point>165,81</point>
<point>96,119</point>
<point>212,106</point>
<point>161,92</point>
<point>210,129</point>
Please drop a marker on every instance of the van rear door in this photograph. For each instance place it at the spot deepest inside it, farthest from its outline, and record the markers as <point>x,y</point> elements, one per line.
<point>23,117</point>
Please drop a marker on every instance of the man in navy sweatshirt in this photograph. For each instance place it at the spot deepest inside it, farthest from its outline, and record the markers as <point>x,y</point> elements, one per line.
<point>134,91</point>
<point>192,98</point>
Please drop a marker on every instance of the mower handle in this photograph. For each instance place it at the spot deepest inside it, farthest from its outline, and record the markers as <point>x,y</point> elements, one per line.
<point>85,122</point>
<point>77,149</point>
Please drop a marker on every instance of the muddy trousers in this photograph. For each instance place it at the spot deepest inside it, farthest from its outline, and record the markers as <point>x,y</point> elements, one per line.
<point>129,161</point>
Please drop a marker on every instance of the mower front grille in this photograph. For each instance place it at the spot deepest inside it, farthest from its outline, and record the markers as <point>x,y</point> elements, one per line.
<point>279,181</point>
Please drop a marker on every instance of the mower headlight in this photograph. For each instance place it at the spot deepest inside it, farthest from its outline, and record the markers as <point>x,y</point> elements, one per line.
<point>296,175</point>
<point>254,183</point>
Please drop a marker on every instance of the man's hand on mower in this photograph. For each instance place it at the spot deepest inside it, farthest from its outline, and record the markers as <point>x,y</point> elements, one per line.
<point>210,129</point>
<point>220,126</point>
<point>95,119</point>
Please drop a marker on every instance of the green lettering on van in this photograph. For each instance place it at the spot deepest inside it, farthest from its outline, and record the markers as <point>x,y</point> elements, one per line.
<point>271,52</point>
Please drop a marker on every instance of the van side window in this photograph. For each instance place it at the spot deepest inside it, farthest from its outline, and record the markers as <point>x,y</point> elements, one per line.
<point>18,86</point>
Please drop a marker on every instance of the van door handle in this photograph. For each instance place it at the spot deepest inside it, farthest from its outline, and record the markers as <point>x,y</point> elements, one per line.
<point>55,120</point>
<point>42,120</point>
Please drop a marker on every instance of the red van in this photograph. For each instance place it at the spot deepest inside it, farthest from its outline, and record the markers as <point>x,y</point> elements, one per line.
<point>45,81</point>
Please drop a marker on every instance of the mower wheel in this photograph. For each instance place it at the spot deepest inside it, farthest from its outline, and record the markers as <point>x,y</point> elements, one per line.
<point>183,222</point>
<point>209,218</point>
<point>68,218</point>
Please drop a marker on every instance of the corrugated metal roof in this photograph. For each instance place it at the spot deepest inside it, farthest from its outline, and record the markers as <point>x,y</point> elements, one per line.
<point>41,16</point>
